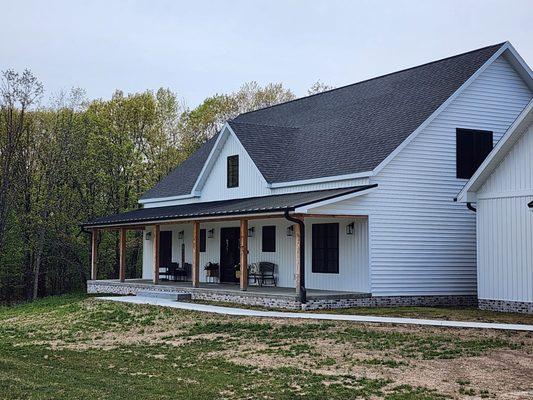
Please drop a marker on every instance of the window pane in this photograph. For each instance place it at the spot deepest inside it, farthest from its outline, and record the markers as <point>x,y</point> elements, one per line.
<point>269,238</point>
<point>325,242</point>
<point>472,147</point>
<point>233,171</point>
<point>202,240</point>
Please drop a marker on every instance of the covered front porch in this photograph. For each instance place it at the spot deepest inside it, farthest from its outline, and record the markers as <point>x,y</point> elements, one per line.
<point>221,257</point>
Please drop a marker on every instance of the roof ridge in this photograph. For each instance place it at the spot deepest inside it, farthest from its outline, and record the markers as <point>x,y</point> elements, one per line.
<point>232,121</point>
<point>376,77</point>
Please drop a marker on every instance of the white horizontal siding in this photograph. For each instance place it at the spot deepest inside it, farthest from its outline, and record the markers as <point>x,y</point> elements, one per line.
<point>421,241</point>
<point>353,253</point>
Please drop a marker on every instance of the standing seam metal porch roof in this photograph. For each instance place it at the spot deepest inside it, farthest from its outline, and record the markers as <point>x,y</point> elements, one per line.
<point>252,205</point>
<point>346,130</point>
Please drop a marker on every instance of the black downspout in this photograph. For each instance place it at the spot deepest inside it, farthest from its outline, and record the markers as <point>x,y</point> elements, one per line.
<point>301,267</point>
<point>470,207</point>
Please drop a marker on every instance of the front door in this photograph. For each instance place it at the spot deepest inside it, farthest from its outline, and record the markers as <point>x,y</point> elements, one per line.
<point>229,253</point>
<point>165,248</point>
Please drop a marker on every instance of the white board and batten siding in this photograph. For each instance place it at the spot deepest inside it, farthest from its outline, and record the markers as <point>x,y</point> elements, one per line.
<point>421,241</point>
<point>505,226</point>
<point>353,253</point>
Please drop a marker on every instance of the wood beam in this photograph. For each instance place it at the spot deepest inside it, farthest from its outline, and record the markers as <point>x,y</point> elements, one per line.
<point>196,254</point>
<point>155,255</point>
<point>122,255</point>
<point>94,253</point>
<point>297,252</point>
<point>244,254</point>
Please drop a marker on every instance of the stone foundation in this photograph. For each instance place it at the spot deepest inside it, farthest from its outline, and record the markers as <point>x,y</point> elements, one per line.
<point>522,307</point>
<point>392,301</point>
<point>290,302</point>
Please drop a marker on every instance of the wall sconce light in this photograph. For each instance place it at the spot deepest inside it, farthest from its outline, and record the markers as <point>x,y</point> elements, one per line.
<point>181,234</point>
<point>211,233</point>
<point>148,235</point>
<point>290,230</point>
<point>350,228</point>
<point>251,232</point>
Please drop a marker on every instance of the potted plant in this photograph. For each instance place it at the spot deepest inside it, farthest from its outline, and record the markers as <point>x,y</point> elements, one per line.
<point>237,269</point>
<point>211,270</point>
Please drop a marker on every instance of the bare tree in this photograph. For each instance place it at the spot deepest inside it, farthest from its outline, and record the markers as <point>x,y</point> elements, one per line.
<point>318,87</point>
<point>18,92</point>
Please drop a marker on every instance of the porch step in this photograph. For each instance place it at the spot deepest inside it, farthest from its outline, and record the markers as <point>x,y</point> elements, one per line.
<point>178,296</point>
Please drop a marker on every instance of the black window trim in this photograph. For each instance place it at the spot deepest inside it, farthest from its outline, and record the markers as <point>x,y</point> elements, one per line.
<point>323,269</point>
<point>232,171</point>
<point>460,173</point>
<point>268,245</point>
<point>203,240</point>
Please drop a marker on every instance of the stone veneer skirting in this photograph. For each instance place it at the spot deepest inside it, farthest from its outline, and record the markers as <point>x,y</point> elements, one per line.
<point>524,307</point>
<point>342,300</point>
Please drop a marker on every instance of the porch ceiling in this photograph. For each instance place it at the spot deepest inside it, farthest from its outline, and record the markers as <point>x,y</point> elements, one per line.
<point>254,205</point>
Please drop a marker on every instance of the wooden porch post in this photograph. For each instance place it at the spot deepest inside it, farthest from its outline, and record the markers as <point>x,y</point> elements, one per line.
<point>94,253</point>
<point>122,255</point>
<point>244,254</point>
<point>155,255</point>
<point>196,254</point>
<point>298,255</point>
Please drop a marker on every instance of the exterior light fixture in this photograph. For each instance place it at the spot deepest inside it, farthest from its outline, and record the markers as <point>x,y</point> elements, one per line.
<point>181,234</point>
<point>251,232</point>
<point>290,230</point>
<point>211,233</point>
<point>350,228</point>
<point>148,235</point>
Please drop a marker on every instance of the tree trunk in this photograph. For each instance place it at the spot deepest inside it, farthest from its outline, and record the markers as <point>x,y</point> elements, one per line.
<point>37,266</point>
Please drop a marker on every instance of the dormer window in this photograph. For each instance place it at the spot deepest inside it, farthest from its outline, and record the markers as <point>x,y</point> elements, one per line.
<point>233,171</point>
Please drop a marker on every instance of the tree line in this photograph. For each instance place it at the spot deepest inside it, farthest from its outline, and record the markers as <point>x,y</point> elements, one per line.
<point>74,159</point>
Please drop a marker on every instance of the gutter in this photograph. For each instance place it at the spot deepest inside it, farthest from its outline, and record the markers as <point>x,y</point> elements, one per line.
<point>301,267</point>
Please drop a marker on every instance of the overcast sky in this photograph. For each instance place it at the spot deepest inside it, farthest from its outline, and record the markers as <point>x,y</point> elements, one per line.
<point>198,48</point>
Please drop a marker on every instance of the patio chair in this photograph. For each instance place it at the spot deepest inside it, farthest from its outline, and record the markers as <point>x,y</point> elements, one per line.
<point>182,274</point>
<point>263,272</point>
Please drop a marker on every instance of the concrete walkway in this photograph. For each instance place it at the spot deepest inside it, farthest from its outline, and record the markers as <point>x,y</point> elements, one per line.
<point>314,316</point>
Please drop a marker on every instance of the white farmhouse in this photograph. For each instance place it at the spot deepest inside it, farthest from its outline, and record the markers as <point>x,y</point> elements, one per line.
<point>343,198</point>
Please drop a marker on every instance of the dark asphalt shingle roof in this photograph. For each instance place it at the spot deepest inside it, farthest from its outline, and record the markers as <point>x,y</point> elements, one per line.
<point>181,179</point>
<point>346,130</point>
<point>252,205</point>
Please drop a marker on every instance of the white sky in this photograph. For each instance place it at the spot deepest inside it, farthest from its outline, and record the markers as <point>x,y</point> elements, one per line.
<point>198,48</point>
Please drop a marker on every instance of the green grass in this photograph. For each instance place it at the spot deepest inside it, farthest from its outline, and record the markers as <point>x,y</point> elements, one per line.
<point>75,347</point>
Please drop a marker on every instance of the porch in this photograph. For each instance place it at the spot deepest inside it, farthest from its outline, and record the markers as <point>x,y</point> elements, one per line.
<point>232,237</point>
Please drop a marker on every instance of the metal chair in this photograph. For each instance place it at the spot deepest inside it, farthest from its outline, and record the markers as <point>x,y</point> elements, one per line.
<point>262,272</point>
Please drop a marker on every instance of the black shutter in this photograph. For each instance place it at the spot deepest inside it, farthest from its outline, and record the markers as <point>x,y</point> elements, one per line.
<point>202,240</point>
<point>269,239</point>
<point>472,147</point>
<point>233,171</point>
<point>325,254</point>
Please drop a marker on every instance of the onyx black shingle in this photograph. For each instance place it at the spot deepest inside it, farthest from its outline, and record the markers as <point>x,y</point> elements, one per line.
<point>346,130</point>
<point>251,205</point>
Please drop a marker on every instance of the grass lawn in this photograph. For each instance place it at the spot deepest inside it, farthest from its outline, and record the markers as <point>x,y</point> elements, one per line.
<point>77,347</point>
